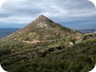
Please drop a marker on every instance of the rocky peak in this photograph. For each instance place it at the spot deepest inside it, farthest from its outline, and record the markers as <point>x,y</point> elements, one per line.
<point>43,19</point>
<point>42,22</point>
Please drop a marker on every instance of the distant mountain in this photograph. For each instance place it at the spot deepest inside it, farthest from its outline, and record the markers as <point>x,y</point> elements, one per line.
<point>88,31</point>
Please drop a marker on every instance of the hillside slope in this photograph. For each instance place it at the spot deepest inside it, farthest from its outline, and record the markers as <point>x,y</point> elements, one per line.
<point>79,58</point>
<point>46,46</point>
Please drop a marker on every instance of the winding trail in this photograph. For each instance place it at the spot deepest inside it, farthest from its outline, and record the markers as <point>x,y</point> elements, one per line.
<point>33,42</point>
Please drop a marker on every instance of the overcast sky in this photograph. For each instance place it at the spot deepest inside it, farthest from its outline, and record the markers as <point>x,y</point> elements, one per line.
<point>17,12</point>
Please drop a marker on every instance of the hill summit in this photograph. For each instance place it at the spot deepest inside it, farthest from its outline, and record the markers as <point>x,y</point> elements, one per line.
<point>42,29</point>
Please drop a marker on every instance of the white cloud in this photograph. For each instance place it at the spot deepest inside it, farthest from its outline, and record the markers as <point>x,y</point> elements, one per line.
<point>1,2</point>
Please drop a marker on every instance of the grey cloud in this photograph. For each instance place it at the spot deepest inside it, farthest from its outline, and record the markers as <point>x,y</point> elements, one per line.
<point>56,9</point>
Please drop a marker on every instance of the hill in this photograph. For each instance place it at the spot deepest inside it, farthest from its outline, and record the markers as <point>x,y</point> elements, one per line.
<point>40,33</point>
<point>46,46</point>
<point>41,30</point>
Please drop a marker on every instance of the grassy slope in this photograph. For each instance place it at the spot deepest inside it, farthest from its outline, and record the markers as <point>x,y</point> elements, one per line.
<point>51,56</point>
<point>79,58</point>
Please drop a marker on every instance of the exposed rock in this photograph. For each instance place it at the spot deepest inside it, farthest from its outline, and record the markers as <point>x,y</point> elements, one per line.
<point>78,41</point>
<point>71,44</point>
<point>89,36</point>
